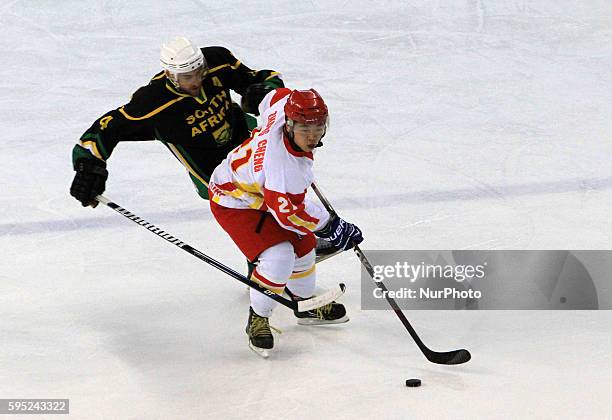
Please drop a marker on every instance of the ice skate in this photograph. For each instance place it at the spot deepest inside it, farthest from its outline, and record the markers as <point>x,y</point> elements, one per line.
<point>332,313</point>
<point>260,335</point>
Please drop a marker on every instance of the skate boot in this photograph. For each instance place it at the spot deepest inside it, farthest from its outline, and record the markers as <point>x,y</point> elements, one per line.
<point>332,313</point>
<point>260,335</point>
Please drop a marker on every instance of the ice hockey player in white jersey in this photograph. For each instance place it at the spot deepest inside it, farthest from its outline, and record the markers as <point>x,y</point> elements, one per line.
<point>258,196</point>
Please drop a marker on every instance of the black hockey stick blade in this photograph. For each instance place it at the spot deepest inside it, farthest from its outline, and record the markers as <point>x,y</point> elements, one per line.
<point>455,357</point>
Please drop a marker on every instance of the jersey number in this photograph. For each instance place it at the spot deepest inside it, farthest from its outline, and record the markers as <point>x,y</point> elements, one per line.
<point>283,205</point>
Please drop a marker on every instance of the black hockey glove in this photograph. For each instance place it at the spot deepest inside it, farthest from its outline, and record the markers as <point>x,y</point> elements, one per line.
<point>89,181</point>
<point>253,95</point>
<point>340,233</point>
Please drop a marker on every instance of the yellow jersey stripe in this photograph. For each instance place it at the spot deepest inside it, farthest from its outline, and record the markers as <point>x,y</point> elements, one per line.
<point>302,274</point>
<point>260,281</point>
<point>273,74</point>
<point>300,222</point>
<point>233,67</point>
<point>257,201</point>
<point>176,92</point>
<point>150,114</point>
<point>251,190</point>
<point>92,147</point>
<point>201,100</point>
<point>185,163</point>
<point>257,204</point>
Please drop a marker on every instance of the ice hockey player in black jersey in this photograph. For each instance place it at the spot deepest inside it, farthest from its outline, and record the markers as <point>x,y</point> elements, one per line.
<point>187,106</point>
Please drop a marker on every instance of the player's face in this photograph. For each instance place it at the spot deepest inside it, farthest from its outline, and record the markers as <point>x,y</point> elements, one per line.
<point>307,137</point>
<point>191,82</point>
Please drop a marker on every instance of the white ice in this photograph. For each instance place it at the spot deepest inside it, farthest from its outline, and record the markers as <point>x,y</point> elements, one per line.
<point>465,124</point>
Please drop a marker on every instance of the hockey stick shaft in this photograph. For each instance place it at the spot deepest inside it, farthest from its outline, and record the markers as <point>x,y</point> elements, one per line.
<point>301,306</point>
<point>447,358</point>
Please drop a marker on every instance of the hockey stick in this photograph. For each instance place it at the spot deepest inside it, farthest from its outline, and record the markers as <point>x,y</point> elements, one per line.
<point>325,252</point>
<point>300,306</point>
<point>454,357</point>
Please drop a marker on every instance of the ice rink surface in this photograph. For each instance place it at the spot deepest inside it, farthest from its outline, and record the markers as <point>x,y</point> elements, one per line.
<point>454,125</point>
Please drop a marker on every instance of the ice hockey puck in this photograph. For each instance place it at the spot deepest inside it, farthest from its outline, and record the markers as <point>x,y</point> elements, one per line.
<point>413,383</point>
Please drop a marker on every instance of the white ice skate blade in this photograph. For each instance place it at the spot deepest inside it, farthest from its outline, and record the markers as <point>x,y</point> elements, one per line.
<point>321,300</point>
<point>315,321</point>
<point>265,353</point>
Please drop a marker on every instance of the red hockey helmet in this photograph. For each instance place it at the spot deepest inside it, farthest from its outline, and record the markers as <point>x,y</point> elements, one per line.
<point>306,107</point>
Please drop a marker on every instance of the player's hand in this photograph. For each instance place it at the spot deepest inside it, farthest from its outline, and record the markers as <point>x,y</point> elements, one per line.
<point>89,181</point>
<point>340,233</point>
<point>253,95</point>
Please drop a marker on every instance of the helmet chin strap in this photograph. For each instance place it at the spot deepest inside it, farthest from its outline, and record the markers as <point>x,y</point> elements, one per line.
<point>173,77</point>
<point>320,140</point>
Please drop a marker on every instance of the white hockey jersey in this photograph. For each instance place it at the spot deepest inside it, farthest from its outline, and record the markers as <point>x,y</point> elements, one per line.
<point>266,173</point>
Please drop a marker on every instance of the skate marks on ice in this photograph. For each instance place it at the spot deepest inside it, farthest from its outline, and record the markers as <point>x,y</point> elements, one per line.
<point>409,197</point>
<point>155,339</point>
<point>85,223</point>
<point>491,192</point>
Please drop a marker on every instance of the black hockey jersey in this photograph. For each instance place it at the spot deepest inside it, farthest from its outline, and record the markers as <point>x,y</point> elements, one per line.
<point>198,131</point>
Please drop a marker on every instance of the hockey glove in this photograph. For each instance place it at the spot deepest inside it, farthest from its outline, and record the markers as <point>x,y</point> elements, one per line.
<point>340,233</point>
<point>253,95</point>
<point>89,181</point>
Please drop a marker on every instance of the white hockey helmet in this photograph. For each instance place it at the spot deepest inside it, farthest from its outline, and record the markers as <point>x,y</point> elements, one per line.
<point>181,56</point>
